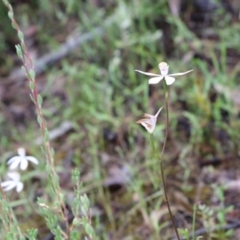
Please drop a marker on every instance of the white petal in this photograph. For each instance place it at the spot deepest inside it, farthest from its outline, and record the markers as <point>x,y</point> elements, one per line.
<point>180,74</point>
<point>155,80</point>
<point>148,115</point>
<point>148,121</point>
<point>150,130</point>
<point>24,164</point>
<point>169,80</point>
<point>8,185</point>
<point>13,159</point>
<point>148,74</point>
<point>14,164</point>
<point>15,176</point>
<point>19,187</point>
<point>32,159</point>
<point>156,115</point>
<point>21,152</point>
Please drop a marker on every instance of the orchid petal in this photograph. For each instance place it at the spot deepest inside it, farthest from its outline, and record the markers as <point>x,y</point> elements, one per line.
<point>155,80</point>
<point>32,159</point>
<point>156,115</point>
<point>180,74</point>
<point>147,115</point>
<point>147,120</point>
<point>8,185</point>
<point>13,159</point>
<point>169,80</point>
<point>149,129</point>
<point>148,74</point>
<point>24,164</point>
<point>19,187</point>
<point>14,163</point>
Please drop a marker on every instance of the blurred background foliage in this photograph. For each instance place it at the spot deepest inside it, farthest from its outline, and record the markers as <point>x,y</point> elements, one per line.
<point>92,98</point>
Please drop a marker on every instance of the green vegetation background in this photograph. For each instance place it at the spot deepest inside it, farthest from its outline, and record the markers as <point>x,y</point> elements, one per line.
<point>95,90</point>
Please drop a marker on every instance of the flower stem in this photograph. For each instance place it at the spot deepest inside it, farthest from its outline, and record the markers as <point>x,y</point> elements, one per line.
<point>164,184</point>
<point>167,120</point>
<point>160,158</point>
<point>194,221</point>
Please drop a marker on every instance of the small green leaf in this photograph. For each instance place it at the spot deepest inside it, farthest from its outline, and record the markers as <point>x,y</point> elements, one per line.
<point>32,74</point>
<point>46,136</point>
<point>19,51</point>
<point>83,211</point>
<point>52,152</point>
<point>75,175</point>
<point>89,230</point>
<point>85,201</point>
<point>221,217</point>
<point>39,119</point>
<point>31,85</point>
<point>10,15</point>
<point>32,234</point>
<point>13,26</point>
<point>20,35</point>
<point>229,233</point>
<point>23,68</point>
<point>184,232</point>
<point>77,221</point>
<point>43,150</point>
<point>40,100</point>
<point>31,96</point>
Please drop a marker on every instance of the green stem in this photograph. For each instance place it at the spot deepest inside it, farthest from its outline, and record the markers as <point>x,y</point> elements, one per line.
<point>194,221</point>
<point>152,144</point>
<point>164,184</point>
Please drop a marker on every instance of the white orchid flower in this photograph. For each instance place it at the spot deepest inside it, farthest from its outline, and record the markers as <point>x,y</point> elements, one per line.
<point>149,121</point>
<point>164,74</point>
<point>21,160</point>
<point>14,182</point>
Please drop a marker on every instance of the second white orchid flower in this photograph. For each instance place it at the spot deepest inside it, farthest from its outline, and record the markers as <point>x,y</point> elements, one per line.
<point>164,74</point>
<point>13,182</point>
<point>149,121</point>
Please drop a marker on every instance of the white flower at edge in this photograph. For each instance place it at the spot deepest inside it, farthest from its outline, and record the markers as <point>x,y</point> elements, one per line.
<point>164,74</point>
<point>149,121</point>
<point>14,182</point>
<point>21,160</point>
